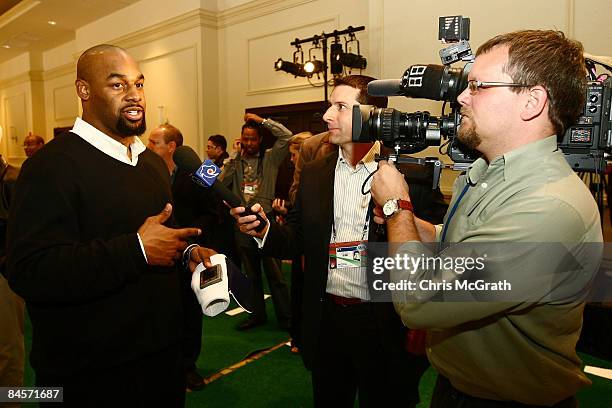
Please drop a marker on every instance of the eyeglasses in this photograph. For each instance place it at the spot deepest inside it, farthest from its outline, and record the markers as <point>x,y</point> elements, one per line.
<point>474,85</point>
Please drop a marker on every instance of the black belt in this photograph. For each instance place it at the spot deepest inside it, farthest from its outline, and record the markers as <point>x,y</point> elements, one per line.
<point>342,301</point>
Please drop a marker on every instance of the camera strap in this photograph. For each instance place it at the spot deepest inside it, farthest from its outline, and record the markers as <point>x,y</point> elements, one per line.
<point>452,211</point>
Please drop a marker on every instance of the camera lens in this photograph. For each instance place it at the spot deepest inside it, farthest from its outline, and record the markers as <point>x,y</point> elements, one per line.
<point>413,132</point>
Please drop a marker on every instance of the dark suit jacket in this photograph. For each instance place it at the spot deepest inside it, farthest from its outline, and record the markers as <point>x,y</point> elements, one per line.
<point>311,149</point>
<point>308,231</point>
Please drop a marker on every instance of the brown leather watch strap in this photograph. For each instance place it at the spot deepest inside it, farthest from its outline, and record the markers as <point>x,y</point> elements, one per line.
<point>405,205</point>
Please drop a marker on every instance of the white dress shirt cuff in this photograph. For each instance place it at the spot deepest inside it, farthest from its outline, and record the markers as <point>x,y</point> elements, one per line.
<point>438,229</point>
<point>262,241</point>
<point>142,248</point>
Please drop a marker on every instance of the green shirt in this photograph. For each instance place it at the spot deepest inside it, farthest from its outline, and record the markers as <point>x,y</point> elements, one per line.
<point>518,351</point>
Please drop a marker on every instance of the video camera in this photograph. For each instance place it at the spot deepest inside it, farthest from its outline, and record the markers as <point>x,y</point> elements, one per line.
<point>587,141</point>
<point>583,144</point>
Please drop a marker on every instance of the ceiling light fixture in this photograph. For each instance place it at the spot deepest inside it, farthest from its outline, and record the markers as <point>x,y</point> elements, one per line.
<point>51,22</point>
<point>6,46</point>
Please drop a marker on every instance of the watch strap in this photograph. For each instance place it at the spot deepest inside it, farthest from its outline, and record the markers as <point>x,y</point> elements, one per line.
<point>405,205</point>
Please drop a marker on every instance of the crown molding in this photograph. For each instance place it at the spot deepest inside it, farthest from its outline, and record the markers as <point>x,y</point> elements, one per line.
<point>62,70</point>
<point>193,19</point>
<point>254,9</point>
<point>17,11</point>
<point>205,18</point>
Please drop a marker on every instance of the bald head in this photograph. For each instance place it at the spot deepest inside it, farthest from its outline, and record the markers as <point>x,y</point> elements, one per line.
<point>111,88</point>
<point>164,140</point>
<point>90,57</point>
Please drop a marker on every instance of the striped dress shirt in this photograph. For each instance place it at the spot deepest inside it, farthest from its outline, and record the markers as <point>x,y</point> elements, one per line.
<point>350,223</point>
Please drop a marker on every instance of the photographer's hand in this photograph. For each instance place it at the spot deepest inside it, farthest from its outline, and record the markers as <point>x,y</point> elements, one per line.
<point>388,183</point>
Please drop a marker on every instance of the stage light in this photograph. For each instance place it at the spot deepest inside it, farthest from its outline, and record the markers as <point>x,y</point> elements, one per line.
<point>350,59</point>
<point>328,56</point>
<point>335,53</point>
<point>353,60</point>
<point>292,68</point>
<point>313,67</point>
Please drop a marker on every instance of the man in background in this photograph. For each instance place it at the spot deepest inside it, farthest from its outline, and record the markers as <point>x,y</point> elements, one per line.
<point>192,208</point>
<point>163,141</point>
<point>216,149</point>
<point>32,144</point>
<point>12,348</point>
<point>252,177</point>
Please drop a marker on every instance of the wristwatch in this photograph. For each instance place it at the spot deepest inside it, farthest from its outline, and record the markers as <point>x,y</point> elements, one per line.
<point>394,205</point>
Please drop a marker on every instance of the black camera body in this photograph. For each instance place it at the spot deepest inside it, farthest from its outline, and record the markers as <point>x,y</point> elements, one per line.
<point>409,133</point>
<point>585,142</point>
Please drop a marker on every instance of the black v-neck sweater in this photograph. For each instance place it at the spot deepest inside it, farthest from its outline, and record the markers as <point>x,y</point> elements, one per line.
<point>74,257</point>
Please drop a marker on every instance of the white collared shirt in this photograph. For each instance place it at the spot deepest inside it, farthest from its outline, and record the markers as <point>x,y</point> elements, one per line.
<point>107,144</point>
<point>112,148</point>
<point>350,212</point>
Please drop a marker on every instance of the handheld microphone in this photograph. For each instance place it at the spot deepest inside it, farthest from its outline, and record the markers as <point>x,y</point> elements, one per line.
<point>186,159</point>
<point>206,176</point>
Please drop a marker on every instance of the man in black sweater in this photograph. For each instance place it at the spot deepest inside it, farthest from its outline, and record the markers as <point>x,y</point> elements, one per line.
<point>96,264</point>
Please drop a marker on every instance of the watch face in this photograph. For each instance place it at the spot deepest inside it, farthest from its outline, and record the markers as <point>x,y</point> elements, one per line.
<point>389,208</point>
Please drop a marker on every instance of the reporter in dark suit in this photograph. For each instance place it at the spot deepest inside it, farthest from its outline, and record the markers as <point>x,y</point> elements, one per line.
<point>349,343</point>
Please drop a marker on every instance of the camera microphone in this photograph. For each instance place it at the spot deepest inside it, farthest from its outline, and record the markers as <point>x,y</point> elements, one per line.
<point>206,176</point>
<point>385,87</point>
<point>435,82</point>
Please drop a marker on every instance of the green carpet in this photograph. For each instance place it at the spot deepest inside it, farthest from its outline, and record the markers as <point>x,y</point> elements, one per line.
<point>223,345</point>
<point>279,379</point>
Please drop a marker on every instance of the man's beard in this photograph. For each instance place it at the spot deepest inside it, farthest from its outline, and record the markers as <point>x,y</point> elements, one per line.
<point>127,128</point>
<point>468,135</point>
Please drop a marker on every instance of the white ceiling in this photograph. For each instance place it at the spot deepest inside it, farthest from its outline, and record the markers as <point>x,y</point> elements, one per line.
<point>24,23</point>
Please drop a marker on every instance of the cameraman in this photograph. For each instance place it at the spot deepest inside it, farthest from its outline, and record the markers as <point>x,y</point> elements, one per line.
<point>524,88</point>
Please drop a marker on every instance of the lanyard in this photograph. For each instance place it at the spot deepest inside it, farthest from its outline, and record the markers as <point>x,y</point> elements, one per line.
<point>363,233</point>
<point>452,211</point>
